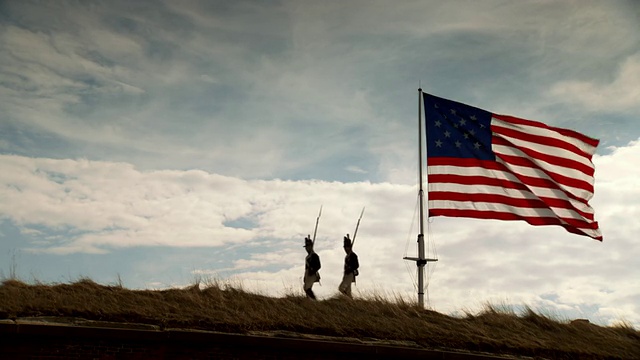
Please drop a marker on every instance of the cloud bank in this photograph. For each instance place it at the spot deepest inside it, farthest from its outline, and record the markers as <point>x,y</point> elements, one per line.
<point>104,207</point>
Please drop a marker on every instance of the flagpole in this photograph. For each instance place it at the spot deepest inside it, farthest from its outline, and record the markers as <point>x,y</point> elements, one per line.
<point>421,260</point>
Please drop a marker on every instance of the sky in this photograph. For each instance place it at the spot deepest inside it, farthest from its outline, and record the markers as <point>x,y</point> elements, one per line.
<point>159,144</point>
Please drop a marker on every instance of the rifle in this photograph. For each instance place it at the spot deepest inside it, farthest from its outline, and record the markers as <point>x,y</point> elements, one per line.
<point>357,225</point>
<point>316,229</point>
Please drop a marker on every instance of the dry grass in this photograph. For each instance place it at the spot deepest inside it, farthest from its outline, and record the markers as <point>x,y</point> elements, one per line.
<point>221,307</point>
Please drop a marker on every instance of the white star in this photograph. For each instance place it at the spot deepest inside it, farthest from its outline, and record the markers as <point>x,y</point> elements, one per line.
<point>435,106</point>
<point>476,145</point>
<point>482,126</point>
<point>458,144</point>
<point>473,117</point>
<point>472,132</point>
<point>466,136</point>
<point>447,134</point>
<point>438,123</point>
<point>453,111</point>
<point>438,143</point>
<point>463,122</point>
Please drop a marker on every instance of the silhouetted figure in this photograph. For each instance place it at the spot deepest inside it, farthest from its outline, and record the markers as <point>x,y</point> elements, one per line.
<point>351,266</point>
<point>311,267</point>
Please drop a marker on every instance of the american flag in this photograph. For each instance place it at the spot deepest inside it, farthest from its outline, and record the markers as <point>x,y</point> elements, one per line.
<point>489,166</point>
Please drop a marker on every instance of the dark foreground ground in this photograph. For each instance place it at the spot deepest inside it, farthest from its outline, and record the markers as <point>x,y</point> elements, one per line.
<point>227,309</point>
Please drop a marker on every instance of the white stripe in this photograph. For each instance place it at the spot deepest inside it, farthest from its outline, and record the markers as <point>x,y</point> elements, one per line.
<point>497,207</point>
<point>534,130</point>
<point>545,149</point>
<point>558,169</point>
<point>498,174</point>
<point>486,206</point>
<point>532,172</point>
<point>561,213</point>
<point>511,193</point>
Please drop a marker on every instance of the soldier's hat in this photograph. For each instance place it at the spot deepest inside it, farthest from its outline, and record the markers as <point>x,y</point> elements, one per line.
<point>308,241</point>
<point>347,241</point>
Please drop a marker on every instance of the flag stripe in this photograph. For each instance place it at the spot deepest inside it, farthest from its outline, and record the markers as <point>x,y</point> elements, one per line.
<point>437,181</point>
<point>498,215</point>
<point>529,138</point>
<point>502,145</point>
<point>587,144</point>
<point>502,207</point>
<point>488,193</point>
<point>489,166</point>
<point>526,167</point>
<point>526,179</point>
<point>541,140</point>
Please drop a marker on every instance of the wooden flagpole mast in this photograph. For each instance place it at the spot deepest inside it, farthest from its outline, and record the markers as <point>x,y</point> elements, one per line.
<point>421,260</point>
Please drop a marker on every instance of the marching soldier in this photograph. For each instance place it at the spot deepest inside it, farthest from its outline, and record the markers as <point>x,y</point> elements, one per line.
<point>351,266</point>
<point>311,267</point>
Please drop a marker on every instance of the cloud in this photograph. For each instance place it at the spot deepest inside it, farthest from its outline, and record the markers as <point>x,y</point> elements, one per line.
<point>113,205</point>
<point>355,169</point>
<point>105,206</point>
<point>620,94</point>
<point>193,98</point>
<point>279,91</point>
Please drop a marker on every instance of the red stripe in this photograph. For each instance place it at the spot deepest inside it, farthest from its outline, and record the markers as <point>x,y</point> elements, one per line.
<point>551,159</point>
<point>525,181</point>
<point>539,139</point>
<point>466,162</point>
<point>475,180</point>
<point>555,177</point>
<point>496,215</point>
<point>489,181</point>
<point>538,203</point>
<point>566,132</point>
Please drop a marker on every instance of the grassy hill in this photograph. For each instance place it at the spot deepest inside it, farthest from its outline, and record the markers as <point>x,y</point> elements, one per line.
<point>226,308</point>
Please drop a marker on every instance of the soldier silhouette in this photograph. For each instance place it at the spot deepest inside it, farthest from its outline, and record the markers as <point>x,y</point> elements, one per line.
<point>351,266</point>
<point>311,267</point>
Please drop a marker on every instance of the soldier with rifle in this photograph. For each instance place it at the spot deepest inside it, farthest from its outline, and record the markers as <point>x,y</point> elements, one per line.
<point>311,267</point>
<point>351,266</point>
<point>311,262</point>
<point>351,263</point>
